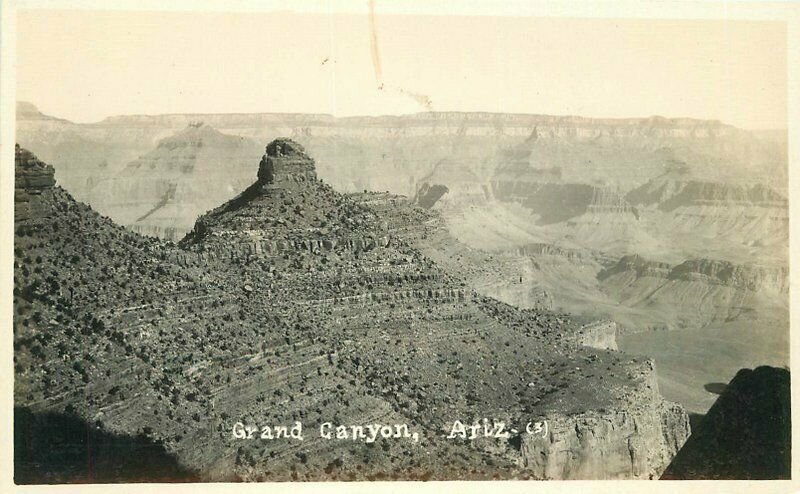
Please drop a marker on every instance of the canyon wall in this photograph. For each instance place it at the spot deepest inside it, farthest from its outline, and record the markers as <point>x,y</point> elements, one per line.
<point>610,443</point>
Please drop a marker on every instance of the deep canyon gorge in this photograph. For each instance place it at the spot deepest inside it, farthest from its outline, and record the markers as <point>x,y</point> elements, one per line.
<point>604,270</point>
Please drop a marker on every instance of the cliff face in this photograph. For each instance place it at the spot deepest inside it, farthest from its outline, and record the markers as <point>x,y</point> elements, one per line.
<point>728,274</point>
<point>618,444</point>
<point>670,194</point>
<point>428,194</point>
<point>709,271</point>
<point>707,291</point>
<point>284,162</point>
<point>600,334</point>
<point>634,441</point>
<point>560,202</point>
<point>290,334</point>
<point>746,214</point>
<point>639,265</point>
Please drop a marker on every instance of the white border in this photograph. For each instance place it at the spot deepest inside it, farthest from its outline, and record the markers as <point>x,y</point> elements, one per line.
<point>775,11</point>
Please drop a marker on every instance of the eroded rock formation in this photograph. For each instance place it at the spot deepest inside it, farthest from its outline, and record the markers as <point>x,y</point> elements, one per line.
<point>181,344</point>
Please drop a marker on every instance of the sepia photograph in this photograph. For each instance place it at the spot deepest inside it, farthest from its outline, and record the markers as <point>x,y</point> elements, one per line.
<point>397,241</point>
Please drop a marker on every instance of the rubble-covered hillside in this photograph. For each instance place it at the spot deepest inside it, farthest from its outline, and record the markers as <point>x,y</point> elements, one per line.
<point>293,303</point>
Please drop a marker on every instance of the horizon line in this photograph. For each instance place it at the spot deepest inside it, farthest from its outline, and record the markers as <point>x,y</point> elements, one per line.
<point>413,114</point>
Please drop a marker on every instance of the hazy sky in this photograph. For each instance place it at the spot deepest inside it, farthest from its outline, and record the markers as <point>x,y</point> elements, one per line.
<point>86,65</point>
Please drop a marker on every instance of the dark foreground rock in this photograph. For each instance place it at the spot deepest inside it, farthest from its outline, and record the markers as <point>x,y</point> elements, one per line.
<point>747,434</point>
<point>57,448</point>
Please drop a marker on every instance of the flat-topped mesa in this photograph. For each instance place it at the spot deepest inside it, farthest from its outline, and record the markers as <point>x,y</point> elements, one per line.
<point>285,161</point>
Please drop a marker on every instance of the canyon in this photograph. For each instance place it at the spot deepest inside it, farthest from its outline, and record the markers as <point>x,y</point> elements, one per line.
<point>345,322</point>
<point>666,238</point>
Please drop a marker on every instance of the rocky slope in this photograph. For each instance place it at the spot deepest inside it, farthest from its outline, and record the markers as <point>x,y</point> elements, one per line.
<point>292,303</point>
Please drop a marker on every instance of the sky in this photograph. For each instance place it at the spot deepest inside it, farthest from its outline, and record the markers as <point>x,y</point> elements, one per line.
<point>86,65</point>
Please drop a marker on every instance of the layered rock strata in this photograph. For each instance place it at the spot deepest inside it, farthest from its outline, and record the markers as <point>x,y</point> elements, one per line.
<point>179,346</point>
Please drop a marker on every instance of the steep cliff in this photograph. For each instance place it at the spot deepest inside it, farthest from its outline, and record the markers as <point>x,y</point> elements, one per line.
<point>428,194</point>
<point>669,194</point>
<point>614,443</point>
<point>738,220</point>
<point>560,202</point>
<point>600,334</point>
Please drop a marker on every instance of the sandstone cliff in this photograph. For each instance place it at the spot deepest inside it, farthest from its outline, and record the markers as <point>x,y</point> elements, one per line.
<point>614,443</point>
